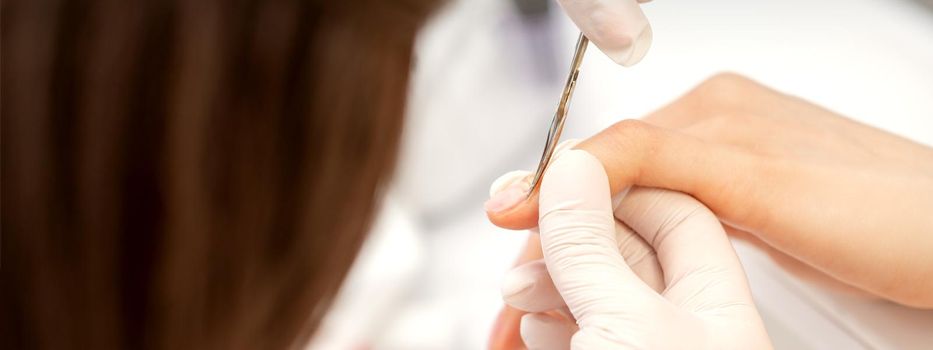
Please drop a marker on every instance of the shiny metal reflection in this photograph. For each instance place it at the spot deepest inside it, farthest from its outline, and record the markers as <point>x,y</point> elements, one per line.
<point>557,124</point>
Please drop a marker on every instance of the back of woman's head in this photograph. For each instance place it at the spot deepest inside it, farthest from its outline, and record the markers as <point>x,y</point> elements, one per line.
<point>191,174</point>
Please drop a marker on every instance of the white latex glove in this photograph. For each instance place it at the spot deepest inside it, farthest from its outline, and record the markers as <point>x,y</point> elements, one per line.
<point>705,302</point>
<point>618,27</point>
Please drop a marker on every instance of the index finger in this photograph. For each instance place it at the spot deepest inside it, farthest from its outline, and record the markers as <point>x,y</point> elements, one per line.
<point>636,153</point>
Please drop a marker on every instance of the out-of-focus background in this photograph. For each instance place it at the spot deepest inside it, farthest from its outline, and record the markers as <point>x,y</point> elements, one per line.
<point>486,82</point>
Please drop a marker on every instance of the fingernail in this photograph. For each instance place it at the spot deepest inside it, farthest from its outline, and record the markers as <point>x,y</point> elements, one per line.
<point>507,191</point>
<point>507,198</point>
<point>508,179</point>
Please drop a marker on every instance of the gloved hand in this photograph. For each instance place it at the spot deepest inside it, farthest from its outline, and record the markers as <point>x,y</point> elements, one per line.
<point>584,293</point>
<point>813,189</point>
<point>618,27</point>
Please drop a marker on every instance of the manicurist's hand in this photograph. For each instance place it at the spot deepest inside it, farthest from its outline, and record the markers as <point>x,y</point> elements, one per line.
<point>829,198</point>
<point>600,284</point>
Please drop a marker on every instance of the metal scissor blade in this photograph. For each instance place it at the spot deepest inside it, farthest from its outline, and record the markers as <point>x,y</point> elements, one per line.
<point>557,124</point>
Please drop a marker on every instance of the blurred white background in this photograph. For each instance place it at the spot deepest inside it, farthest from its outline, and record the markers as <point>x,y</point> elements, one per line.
<point>487,78</point>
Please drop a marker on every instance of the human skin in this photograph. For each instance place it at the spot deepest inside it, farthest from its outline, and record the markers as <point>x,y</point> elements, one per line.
<point>830,199</point>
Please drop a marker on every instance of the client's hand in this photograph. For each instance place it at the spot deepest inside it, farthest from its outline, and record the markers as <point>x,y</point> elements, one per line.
<point>833,201</point>
<point>827,197</point>
<point>596,267</point>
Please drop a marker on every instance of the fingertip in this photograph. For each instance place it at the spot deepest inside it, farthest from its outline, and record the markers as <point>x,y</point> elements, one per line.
<point>529,287</point>
<point>546,331</point>
<point>506,333</point>
<point>506,180</point>
<point>635,52</point>
<point>575,180</point>
<point>520,217</point>
<point>510,206</point>
<point>618,28</point>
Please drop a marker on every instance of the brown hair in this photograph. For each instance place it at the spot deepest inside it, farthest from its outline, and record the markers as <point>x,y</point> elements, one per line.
<point>191,174</point>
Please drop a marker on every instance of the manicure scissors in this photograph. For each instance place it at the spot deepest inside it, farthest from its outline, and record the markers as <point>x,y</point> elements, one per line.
<point>557,124</point>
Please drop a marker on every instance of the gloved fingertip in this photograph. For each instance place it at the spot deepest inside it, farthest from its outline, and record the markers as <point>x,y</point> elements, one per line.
<point>633,53</point>
<point>575,180</point>
<point>529,287</point>
<point>516,283</point>
<point>618,27</point>
<point>541,331</point>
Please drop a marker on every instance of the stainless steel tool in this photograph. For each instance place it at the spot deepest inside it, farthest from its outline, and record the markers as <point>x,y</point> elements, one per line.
<point>557,124</point>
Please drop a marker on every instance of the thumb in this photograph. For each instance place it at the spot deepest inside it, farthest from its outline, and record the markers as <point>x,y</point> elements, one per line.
<point>618,27</point>
<point>701,269</point>
<point>577,231</point>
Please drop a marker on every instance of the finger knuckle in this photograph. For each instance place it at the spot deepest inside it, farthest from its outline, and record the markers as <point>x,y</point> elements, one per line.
<point>633,133</point>
<point>636,139</point>
<point>723,91</point>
